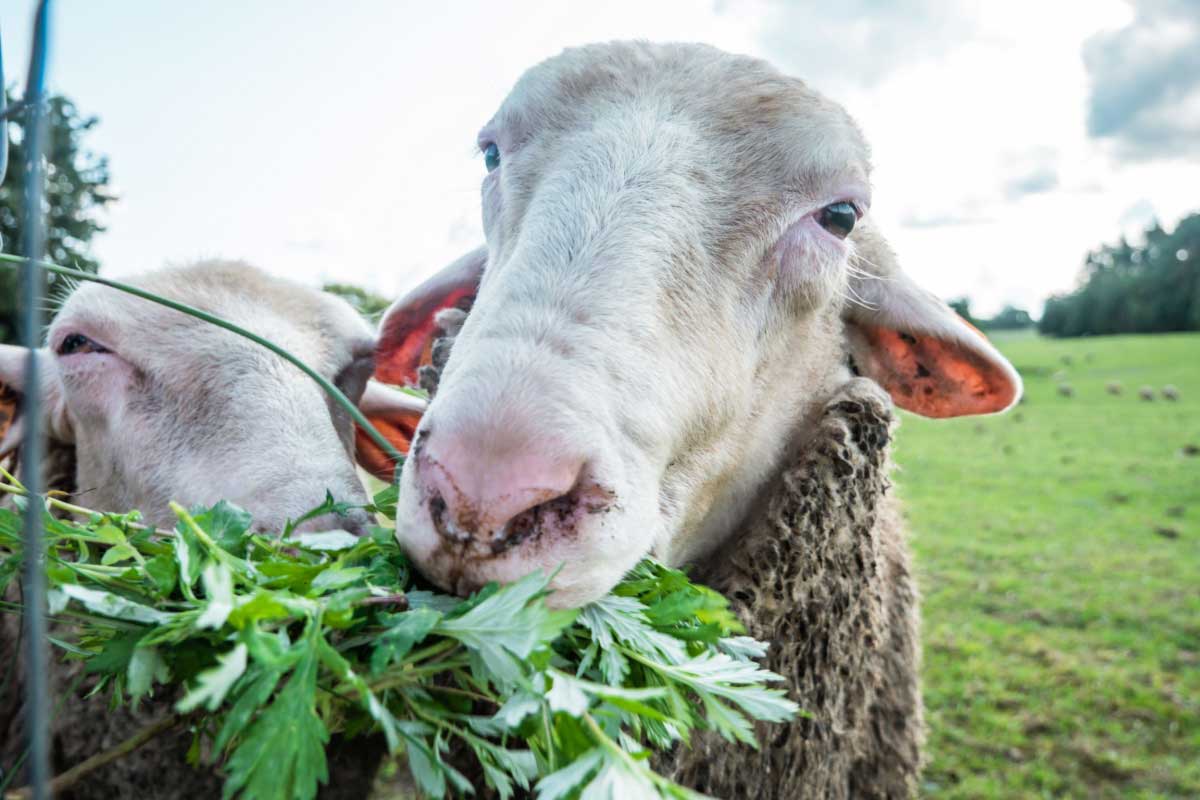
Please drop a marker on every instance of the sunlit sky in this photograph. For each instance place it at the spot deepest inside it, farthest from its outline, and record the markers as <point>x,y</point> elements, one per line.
<point>335,141</point>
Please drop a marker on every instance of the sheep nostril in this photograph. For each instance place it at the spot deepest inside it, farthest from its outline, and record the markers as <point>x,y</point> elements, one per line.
<point>516,530</point>
<point>558,513</point>
<point>442,522</point>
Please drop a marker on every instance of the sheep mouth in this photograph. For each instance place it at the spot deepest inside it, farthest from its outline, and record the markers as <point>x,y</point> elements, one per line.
<point>468,556</point>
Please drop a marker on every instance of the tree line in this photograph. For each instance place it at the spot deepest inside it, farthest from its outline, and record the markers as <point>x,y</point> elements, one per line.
<point>1010,317</point>
<point>1152,287</point>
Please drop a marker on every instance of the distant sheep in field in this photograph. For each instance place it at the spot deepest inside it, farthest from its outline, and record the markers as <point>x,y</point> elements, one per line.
<point>1146,393</point>
<point>1170,392</point>
<point>1114,387</point>
<point>1066,390</point>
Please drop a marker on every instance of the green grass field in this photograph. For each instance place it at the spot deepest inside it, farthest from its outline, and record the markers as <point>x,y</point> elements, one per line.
<point>1058,548</point>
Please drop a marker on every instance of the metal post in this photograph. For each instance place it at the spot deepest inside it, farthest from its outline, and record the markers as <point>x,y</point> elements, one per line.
<point>32,292</point>
<point>4,111</point>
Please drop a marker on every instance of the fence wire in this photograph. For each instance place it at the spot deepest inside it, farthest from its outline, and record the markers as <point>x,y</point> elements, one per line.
<point>32,293</point>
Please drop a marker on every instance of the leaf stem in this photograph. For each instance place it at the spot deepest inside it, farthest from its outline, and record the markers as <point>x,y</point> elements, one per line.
<point>433,687</point>
<point>453,730</point>
<point>61,505</point>
<point>70,617</point>
<point>72,776</point>
<point>407,676</point>
<point>396,601</point>
<point>430,651</point>
<point>632,764</point>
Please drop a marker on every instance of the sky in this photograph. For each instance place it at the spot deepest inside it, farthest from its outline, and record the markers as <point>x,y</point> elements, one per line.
<point>336,141</point>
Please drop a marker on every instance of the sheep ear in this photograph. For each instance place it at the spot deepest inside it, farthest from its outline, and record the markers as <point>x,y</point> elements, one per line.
<point>12,383</point>
<point>10,433</point>
<point>407,331</point>
<point>395,415</point>
<point>12,387</point>
<point>406,336</point>
<point>930,360</point>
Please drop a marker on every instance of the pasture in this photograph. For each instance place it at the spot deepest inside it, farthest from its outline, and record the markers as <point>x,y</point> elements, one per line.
<point>1058,549</point>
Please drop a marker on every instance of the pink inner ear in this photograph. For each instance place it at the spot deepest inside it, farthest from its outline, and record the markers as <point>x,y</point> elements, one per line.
<point>398,431</point>
<point>8,409</point>
<point>937,378</point>
<point>408,334</point>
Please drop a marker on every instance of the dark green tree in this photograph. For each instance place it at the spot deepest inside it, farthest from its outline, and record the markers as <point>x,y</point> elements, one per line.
<point>962,307</point>
<point>1153,287</point>
<point>368,304</point>
<point>77,192</point>
<point>1010,318</point>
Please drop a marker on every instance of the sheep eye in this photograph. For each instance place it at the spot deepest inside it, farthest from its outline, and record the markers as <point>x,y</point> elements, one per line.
<point>838,218</point>
<point>491,156</point>
<point>78,343</point>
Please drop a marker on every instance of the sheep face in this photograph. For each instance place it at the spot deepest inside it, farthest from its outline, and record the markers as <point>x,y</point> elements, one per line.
<point>161,406</point>
<point>662,304</point>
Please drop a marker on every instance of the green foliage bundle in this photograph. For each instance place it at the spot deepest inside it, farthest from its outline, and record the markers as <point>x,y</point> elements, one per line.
<point>367,303</point>
<point>77,190</point>
<point>273,642</point>
<point>1149,288</point>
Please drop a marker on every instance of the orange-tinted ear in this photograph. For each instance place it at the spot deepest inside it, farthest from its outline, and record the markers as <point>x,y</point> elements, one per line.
<point>395,415</point>
<point>12,382</point>
<point>929,359</point>
<point>8,414</point>
<point>937,376</point>
<point>407,331</point>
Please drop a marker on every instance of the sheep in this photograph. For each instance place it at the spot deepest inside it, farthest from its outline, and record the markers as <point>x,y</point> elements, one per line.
<point>1170,392</point>
<point>837,483</point>
<point>152,401</point>
<point>1114,387</point>
<point>1146,393</point>
<point>210,416</point>
<point>680,286</point>
<point>1066,390</point>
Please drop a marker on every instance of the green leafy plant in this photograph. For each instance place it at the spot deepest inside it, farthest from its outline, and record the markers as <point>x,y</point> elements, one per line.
<point>268,644</point>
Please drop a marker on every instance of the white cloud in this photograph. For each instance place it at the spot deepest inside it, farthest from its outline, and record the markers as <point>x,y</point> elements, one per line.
<point>328,142</point>
<point>1145,93</point>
